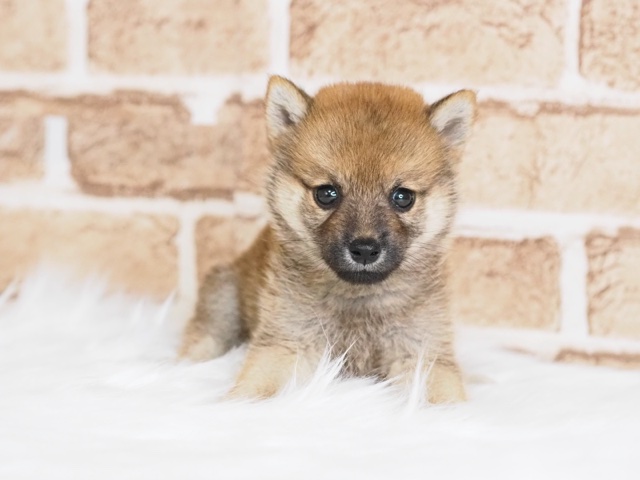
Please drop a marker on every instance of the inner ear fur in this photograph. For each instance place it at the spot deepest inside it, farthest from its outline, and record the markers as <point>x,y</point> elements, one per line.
<point>453,116</point>
<point>286,106</point>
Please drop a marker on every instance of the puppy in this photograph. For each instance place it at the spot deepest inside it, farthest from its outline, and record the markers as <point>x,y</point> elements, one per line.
<point>361,195</point>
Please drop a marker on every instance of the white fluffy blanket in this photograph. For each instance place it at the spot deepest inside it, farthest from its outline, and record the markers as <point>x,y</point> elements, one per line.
<point>90,389</point>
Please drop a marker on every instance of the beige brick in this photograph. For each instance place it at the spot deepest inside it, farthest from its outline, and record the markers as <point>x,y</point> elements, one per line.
<point>135,143</point>
<point>178,37</point>
<point>20,105</point>
<point>32,35</point>
<point>137,252</point>
<point>221,239</point>
<point>505,283</point>
<point>120,147</point>
<point>614,284</point>
<point>247,131</point>
<point>466,41</point>
<point>139,145</point>
<point>21,148</point>
<point>610,42</point>
<point>562,159</point>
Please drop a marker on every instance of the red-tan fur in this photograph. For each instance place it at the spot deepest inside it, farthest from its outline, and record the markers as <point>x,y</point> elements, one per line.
<point>283,298</point>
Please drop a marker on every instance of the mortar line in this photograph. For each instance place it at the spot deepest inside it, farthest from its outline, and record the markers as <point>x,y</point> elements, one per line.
<point>187,259</point>
<point>57,167</point>
<point>279,37</point>
<point>204,108</point>
<point>572,39</point>
<point>78,37</point>
<point>573,289</point>
<point>572,93</point>
<point>36,196</point>
<point>531,223</point>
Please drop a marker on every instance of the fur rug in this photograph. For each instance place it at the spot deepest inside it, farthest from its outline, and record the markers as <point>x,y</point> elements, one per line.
<point>90,388</point>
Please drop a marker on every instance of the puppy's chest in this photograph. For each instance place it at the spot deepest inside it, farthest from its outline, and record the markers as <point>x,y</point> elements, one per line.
<point>366,338</point>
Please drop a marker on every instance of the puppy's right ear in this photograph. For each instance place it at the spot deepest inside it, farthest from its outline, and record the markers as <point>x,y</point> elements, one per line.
<point>286,105</point>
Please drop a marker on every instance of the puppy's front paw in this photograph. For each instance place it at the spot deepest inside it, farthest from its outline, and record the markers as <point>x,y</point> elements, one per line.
<point>199,348</point>
<point>264,373</point>
<point>252,389</point>
<point>445,384</point>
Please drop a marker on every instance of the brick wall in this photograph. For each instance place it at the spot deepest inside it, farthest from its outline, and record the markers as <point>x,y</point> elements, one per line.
<point>132,141</point>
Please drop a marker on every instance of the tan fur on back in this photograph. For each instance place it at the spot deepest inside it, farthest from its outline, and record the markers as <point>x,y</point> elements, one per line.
<point>284,295</point>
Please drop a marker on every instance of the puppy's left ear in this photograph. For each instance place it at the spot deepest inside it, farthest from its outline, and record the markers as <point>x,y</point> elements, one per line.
<point>453,116</point>
<point>286,106</point>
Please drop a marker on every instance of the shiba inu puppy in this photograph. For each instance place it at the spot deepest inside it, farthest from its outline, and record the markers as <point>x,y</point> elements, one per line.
<point>361,195</point>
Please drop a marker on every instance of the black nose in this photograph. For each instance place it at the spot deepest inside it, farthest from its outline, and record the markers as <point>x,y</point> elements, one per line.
<point>364,250</point>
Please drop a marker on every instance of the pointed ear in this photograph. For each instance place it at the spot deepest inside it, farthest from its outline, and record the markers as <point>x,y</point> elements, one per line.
<point>453,116</point>
<point>286,105</point>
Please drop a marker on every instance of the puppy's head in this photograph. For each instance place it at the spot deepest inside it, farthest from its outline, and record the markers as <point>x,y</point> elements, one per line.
<point>363,177</point>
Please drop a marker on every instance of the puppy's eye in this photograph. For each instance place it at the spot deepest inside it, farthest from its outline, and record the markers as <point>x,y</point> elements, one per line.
<point>327,196</point>
<point>402,198</point>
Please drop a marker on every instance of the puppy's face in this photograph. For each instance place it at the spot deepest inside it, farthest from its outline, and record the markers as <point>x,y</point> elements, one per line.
<point>363,182</point>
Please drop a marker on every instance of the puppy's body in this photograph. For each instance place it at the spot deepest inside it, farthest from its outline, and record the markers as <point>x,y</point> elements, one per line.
<point>362,197</point>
